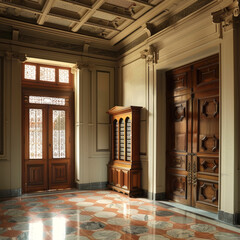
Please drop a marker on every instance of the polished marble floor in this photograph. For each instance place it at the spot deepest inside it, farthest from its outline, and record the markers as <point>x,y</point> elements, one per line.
<point>103,215</point>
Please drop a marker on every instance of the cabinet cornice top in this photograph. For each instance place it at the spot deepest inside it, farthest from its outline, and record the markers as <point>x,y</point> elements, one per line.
<point>121,109</point>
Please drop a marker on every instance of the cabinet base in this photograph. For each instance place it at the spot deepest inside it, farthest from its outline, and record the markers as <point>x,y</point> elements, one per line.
<point>135,193</point>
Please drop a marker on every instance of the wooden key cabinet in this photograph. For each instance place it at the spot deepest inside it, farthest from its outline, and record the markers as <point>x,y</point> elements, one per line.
<point>124,168</point>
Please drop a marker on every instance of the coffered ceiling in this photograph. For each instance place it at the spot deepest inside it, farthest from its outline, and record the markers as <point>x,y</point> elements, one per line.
<point>104,24</point>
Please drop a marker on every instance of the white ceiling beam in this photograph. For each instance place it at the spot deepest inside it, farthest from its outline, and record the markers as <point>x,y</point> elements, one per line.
<point>87,15</point>
<point>46,9</point>
<point>142,20</point>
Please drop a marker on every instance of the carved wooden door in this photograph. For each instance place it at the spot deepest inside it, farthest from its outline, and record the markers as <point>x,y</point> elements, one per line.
<point>47,151</point>
<point>179,146</point>
<point>193,134</point>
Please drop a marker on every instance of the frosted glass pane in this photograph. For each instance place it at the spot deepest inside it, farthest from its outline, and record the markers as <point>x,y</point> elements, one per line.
<point>63,76</point>
<point>35,134</point>
<point>59,132</point>
<point>47,74</point>
<point>47,100</point>
<point>30,72</point>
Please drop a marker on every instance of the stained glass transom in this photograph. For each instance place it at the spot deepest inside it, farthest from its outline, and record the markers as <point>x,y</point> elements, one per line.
<point>47,74</point>
<point>59,132</point>
<point>35,134</point>
<point>47,100</point>
<point>63,76</point>
<point>30,72</point>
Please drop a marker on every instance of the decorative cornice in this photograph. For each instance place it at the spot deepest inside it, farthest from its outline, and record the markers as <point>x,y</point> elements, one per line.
<point>81,66</point>
<point>225,16</point>
<point>22,57</point>
<point>150,54</point>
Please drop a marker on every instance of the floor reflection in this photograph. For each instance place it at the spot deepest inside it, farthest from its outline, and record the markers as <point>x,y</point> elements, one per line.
<point>59,228</point>
<point>103,215</point>
<point>36,231</point>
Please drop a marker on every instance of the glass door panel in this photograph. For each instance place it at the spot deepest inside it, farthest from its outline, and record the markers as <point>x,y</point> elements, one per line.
<point>35,133</point>
<point>59,134</point>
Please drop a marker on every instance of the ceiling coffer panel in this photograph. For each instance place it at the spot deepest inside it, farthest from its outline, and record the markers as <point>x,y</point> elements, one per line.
<point>120,3</point>
<point>94,31</point>
<point>67,6</point>
<point>54,21</point>
<point>104,16</point>
<point>61,13</point>
<point>15,13</point>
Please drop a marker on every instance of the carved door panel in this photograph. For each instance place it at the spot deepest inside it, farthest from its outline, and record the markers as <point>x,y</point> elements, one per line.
<point>206,74</point>
<point>206,147</point>
<point>47,162</point>
<point>179,120</point>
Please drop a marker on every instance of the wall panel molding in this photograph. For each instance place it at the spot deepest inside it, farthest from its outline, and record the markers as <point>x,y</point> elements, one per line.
<point>1,109</point>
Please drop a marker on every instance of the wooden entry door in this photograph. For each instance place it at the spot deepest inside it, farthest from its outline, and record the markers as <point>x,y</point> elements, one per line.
<point>47,162</point>
<point>193,134</point>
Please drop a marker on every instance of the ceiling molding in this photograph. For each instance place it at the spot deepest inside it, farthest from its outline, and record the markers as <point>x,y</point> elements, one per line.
<point>142,20</point>
<point>60,33</point>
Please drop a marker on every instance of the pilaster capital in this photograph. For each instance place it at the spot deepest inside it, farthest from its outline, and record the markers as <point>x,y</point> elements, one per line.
<point>21,57</point>
<point>224,17</point>
<point>150,54</point>
<point>85,65</point>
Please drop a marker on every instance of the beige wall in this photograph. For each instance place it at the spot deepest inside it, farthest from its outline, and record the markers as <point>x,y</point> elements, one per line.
<point>96,97</point>
<point>96,85</point>
<point>134,89</point>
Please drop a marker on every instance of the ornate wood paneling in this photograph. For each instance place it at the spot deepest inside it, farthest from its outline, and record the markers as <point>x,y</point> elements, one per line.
<point>193,134</point>
<point>206,74</point>
<point>179,186</point>
<point>208,165</point>
<point>35,174</point>
<point>178,125</point>
<point>177,161</point>
<point>59,173</point>
<point>207,192</point>
<point>179,81</point>
<point>1,108</point>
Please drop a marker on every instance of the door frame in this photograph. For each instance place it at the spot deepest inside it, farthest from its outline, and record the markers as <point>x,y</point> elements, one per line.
<point>38,91</point>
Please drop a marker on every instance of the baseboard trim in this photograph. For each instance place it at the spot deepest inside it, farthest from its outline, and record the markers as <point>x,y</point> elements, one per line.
<point>231,218</point>
<point>92,186</point>
<point>155,196</point>
<point>10,193</point>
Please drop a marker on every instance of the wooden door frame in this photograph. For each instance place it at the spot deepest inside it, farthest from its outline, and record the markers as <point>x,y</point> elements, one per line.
<point>34,90</point>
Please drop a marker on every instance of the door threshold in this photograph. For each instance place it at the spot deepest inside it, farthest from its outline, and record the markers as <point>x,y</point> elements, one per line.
<point>193,210</point>
<point>50,192</point>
